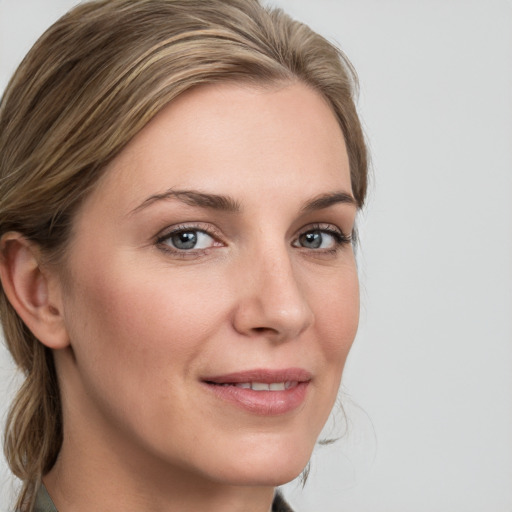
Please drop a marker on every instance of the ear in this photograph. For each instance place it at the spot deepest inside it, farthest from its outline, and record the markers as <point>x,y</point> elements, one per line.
<point>34,292</point>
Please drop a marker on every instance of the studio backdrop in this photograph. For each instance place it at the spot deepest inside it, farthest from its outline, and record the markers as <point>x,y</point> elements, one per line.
<point>424,419</point>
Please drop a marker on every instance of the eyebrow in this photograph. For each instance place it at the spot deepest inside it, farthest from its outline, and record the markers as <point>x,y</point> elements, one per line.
<point>194,198</point>
<point>326,200</point>
<point>230,205</point>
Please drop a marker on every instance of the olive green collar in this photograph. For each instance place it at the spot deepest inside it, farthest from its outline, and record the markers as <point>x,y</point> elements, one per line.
<point>43,501</point>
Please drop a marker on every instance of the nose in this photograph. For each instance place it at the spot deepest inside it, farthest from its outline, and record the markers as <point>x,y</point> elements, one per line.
<point>272,300</point>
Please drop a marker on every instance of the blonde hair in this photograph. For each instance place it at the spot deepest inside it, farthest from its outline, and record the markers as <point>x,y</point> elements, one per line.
<point>88,85</point>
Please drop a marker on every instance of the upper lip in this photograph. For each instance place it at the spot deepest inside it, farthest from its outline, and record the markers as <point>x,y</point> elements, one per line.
<point>267,376</point>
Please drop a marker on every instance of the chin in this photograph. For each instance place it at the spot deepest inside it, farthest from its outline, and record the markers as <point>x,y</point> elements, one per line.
<point>266,464</point>
<point>268,475</point>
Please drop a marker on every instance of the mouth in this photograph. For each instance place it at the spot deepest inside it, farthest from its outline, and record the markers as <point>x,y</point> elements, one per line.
<point>262,392</point>
<point>261,386</point>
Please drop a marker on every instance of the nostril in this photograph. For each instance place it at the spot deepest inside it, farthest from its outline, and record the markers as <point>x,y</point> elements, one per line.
<point>261,330</point>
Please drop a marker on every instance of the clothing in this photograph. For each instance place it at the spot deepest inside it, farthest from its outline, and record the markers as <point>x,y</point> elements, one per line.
<point>43,501</point>
<point>279,505</point>
<point>45,504</point>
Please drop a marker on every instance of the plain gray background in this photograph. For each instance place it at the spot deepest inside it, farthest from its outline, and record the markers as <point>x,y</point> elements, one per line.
<point>428,386</point>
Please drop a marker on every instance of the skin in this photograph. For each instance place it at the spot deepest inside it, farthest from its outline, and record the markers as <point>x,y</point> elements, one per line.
<point>143,322</point>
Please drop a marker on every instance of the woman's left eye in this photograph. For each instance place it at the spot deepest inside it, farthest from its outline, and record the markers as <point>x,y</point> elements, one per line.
<point>326,239</point>
<point>187,240</point>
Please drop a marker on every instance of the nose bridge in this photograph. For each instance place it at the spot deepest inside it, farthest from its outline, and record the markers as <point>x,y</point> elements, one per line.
<point>274,301</point>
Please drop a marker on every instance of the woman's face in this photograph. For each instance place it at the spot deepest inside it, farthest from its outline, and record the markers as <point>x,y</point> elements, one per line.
<point>210,292</point>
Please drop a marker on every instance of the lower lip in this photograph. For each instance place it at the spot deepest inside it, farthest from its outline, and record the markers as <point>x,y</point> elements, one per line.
<point>264,403</point>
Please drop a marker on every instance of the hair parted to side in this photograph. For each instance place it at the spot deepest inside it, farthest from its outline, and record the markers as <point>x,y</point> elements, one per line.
<point>88,85</point>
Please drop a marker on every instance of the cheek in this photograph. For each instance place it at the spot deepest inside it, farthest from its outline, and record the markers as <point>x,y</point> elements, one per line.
<point>336,323</point>
<point>137,340</point>
<point>337,315</point>
<point>135,322</point>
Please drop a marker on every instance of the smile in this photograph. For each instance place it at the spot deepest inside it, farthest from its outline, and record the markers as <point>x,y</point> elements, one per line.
<point>262,392</point>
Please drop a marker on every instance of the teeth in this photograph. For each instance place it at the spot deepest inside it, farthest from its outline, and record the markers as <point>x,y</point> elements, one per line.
<point>262,386</point>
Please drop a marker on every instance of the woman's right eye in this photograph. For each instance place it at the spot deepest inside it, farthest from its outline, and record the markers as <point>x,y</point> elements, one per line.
<point>187,239</point>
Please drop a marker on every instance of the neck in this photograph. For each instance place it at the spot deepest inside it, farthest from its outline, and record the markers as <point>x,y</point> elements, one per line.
<point>81,482</point>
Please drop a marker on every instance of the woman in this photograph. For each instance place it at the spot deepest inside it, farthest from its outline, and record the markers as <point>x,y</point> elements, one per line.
<point>179,184</point>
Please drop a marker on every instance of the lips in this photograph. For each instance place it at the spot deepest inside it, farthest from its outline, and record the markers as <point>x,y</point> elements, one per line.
<point>262,391</point>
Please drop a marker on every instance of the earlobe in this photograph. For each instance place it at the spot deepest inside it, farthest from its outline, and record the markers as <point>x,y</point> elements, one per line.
<point>32,290</point>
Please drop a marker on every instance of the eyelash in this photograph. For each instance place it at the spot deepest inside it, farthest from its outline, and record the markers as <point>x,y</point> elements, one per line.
<point>340,239</point>
<point>183,253</point>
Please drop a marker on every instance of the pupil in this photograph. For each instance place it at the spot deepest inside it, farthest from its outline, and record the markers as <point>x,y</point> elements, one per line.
<point>312,240</point>
<point>185,240</point>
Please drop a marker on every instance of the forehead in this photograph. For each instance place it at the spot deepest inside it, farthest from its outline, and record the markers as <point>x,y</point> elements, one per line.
<point>269,139</point>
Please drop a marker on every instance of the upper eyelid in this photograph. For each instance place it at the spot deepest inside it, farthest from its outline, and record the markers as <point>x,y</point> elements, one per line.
<point>321,226</point>
<point>193,226</point>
